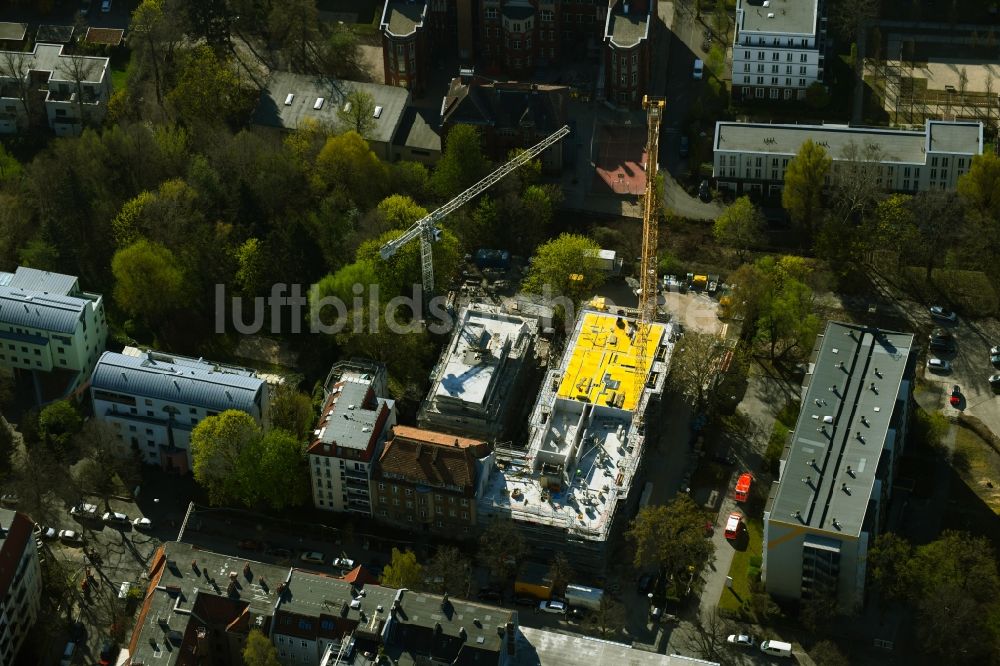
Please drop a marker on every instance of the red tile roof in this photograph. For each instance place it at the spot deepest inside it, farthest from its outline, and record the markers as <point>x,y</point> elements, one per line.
<point>155,573</point>
<point>430,458</point>
<point>109,36</point>
<point>18,535</point>
<point>360,576</point>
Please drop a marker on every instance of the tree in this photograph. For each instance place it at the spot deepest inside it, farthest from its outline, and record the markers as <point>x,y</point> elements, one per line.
<point>148,282</point>
<point>671,536</point>
<point>403,570</point>
<point>291,410</point>
<point>208,89</point>
<point>817,96</point>
<point>849,17</point>
<point>448,571</point>
<point>250,261</point>
<point>695,364</point>
<point>340,55</point>
<point>557,263</point>
<point>218,444</point>
<point>608,618</point>
<point>708,638</point>
<point>397,274</point>
<point>560,573</point>
<point>501,548</point>
<point>826,653</point>
<point>462,163</point>
<point>741,227</point>
<point>346,163</point>
<point>259,651</point>
<point>787,322</point>
<point>804,180</point>
<point>15,66</point>
<point>295,23</point>
<point>7,448</point>
<point>358,112</point>
<point>887,562</point>
<point>108,466</point>
<point>80,70</point>
<point>10,168</point>
<point>938,221</point>
<point>980,186</point>
<point>152,33</point>
<point>272,471</point>
<point>58,422</point>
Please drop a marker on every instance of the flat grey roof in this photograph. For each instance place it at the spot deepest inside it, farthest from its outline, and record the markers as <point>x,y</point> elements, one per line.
<point>426,611</point>
<point>350,420</point>
<point>273,111</point>
<point>402,17</point>
<point>50,58</point>
<point>794,17</point>
<point>843,423</point>
<point>626,30</point>
<point>32,279</point>
<point>54,34</point>
<point>313,595</point>
<point>897,146</point>
<point>13,32</point>
<point>540,646</point>
<point>955,137</point>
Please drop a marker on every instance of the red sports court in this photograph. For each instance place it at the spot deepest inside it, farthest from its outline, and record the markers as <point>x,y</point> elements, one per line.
<point>620,158</point>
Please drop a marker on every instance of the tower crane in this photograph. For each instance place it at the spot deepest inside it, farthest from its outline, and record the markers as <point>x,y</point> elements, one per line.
<point>425,228</point>
<point>647,270</point>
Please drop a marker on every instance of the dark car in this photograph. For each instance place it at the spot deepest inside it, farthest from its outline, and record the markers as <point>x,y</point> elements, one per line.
<point>995,356</point>
<point>646,581</point>
<point>684,146</point>
<point>527,602</point>
<point>108,653</point>
<point>704,191</point>
<point>995,382</point>
<point>942,314</point>
<point>492,595</point>
<point>941,340</point>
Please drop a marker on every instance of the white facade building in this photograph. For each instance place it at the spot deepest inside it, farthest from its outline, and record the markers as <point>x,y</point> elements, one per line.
<point>68,90</point>
<point>20,583</point>
<point>153,401</point>
<point>752,157</point>
<point>48,325</point>
<point>349,437</point>
<point>778,48</point>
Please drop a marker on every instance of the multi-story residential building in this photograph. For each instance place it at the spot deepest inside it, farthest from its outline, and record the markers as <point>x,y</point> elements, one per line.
<point>752,157</point>
<point>153,401</point>
<point>20,583</point>
<point>200,606</point>
<point>404,27</point>
<point>838,469</point>
<point>508,116</point>
<point>66,91</point>
<point>569,489</point>
<point>778,48</point>
<point>431,481</point>
<point>628,51</point>
<point>478,385</point>
<point>349,437</point>
<point>50,328</point>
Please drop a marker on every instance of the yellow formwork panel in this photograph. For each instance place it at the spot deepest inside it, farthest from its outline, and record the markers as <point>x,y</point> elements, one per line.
<point>601,369</point>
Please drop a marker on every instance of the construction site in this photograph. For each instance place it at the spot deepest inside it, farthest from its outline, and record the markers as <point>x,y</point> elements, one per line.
<point>587,438</point>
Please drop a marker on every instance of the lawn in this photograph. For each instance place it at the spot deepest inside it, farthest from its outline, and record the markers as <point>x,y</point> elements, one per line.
<point>740,570</point>
<point>979,466</point>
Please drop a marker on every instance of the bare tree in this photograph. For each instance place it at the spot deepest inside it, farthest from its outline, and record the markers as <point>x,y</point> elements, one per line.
<point>80,70</point>
<point>695,365</point>
<point>708,639</point>
<point>608,618</point>
<point>16,66</point>
<point>857,181</point>
<point>848,17</point>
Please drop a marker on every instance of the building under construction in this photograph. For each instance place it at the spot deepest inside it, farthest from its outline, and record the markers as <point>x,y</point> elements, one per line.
<point>573,481</point>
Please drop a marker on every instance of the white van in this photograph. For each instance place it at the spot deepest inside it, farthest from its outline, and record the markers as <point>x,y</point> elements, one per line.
<point>699,69</point>
<point>776,648</point>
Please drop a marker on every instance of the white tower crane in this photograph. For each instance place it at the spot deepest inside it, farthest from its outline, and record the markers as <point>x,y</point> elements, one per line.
<point>425,228</point>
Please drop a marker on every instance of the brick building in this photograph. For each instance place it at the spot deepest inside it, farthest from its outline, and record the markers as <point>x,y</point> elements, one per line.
<point>430,480</point>
<point>627,53</point>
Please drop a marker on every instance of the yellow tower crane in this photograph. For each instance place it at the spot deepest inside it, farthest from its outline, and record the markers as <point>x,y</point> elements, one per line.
<point>647,271</point>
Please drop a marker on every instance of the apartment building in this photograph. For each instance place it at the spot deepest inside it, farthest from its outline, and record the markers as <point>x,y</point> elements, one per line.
<point>349,437</point>
<point>752,157</point>
<point>478,386</point>
<point>778,48</point>
<point>51,329</point>
<point>153,400</point>
<point>20,583</point>
<point>507,115</point>
<point>569,489</point>
<point>200,606</point>
<point>628,50</point>
<point>44,85</point>
<point>837,472</point>
<point>431,481</point>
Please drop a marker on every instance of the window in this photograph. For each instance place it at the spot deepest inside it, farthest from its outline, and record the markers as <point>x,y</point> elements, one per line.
<point>517,44</point>
<point>465,515</point>
<point>802,70</point>
<point>409,491</point>
<point>760,69</point>
<point>934,161</point>
<point>775,56</point>
<point>381,485</point>
<point>802,83</point>
<point>451,513</point>
<point>465,502</point>
<point>746,91</point>
<point>961,162</point>
<point>760,55</point>
<point>409,504</point>
<point>933,174</point>
<point>774,69</point>
<point>395,501</point>
<point>759,93</point>
<point>788,57</point>
<point>746,79</point>
<point>491,12</point>
<point>774,80</point>
<point>547,15</point>
<point>527,42</point>
<point>803,58</point>
<point>746,54</point>
<point>788,69</point>
<point>395,490</point>
<point>760,82</point>
<point>746,67</point>
<point>944,163</point>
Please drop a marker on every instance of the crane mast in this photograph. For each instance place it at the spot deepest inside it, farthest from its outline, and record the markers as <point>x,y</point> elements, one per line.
<point>647,278</point>
<point>425,228</point>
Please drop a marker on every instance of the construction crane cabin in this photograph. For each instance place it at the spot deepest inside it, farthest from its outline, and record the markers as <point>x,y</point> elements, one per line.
<point>426,227</point>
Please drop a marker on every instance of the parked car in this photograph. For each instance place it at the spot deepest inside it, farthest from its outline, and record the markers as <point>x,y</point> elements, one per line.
<point>142,523</point>
<point>704,191</point>
<point>685,146</point>
<point>9,499</point>
<point>552,606</point>
<point>699,69</point>
<point>105,6</point>
<point>108,653</point>
<point>280,553</point>
<point>313,557</point>
<point>995,356</point>
<point>576,614</point>
<point>741,640</point>
<point>528,602</point>
<point>941,314</point>
<point>343,563</point>
<point>84,510</point>
<point>115,518</point>
<point>994,381</point>
<point>494,596</point>
<point>248,544</point>
<point>938,365</point>
<point>70,537</point>
<point>776,648</point>
<point>43,532</point>
<point>941,340</point>
<point>645,585</point>
<point>733,525</point>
